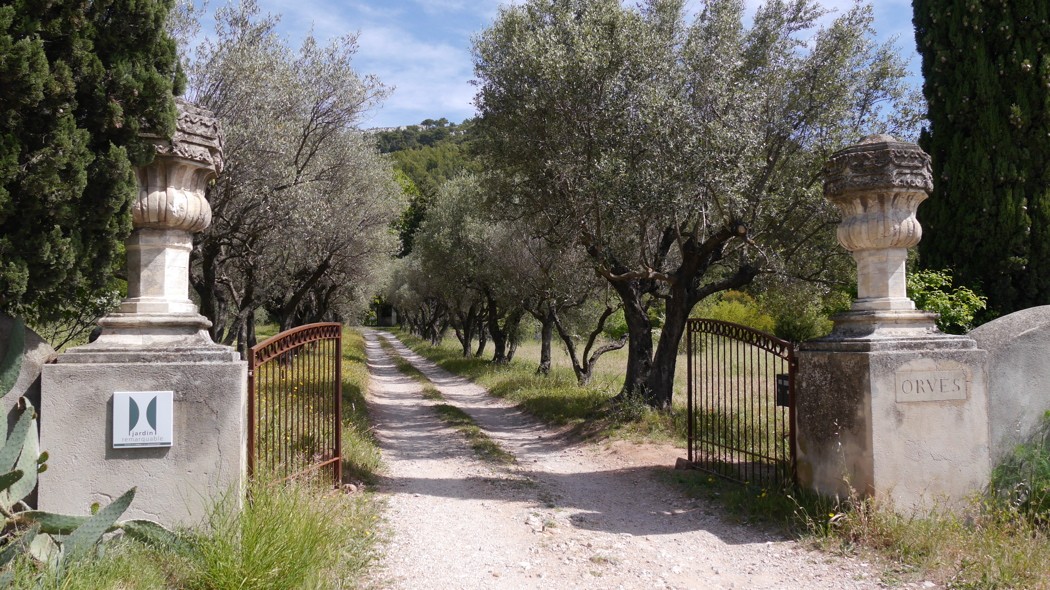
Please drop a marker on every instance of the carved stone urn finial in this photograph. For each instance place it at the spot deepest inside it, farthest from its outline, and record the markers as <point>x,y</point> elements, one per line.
<point>172,187</point>
<point>169,209</point>
<point>878,185</point>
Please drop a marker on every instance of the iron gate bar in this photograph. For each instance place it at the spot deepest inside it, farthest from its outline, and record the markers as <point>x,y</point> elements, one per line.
<point>737,428</point>
<point>295,426</point>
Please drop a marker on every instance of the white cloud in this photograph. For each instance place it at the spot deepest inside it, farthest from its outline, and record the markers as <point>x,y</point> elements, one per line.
<point>422,47</point>
<point>432,80</point>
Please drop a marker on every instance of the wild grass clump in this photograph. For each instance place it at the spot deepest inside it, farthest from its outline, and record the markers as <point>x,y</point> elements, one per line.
<point>287,535</point>
<point>125,564</point>
<point>984,545</point>
<point>361,456</point>
<point>1022,480</point>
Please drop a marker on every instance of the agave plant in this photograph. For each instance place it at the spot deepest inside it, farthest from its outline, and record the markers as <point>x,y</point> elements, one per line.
<point>52,539</point>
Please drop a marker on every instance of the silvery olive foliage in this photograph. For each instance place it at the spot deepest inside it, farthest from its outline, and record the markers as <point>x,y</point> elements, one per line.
<point>302,208</point>
<point>479,273</point>
<point>459,251</point>
<point>681,152</point>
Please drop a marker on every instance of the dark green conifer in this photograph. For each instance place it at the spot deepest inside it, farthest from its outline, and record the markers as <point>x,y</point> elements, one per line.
<point>986,65</point>
<point>79,81</point>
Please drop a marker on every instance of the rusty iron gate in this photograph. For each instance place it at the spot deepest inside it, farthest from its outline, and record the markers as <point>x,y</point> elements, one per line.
<point>295,403</point>
<point>741,403</point>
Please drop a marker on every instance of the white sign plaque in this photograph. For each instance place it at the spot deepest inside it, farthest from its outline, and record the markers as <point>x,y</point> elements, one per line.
<point>142,418</point>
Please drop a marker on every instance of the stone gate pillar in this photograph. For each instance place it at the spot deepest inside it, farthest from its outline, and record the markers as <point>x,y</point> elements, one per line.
<point>887,405</point>
<point>182,439</point>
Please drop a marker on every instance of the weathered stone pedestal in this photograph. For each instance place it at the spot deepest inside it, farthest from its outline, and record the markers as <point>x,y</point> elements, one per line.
<point>887,405</point>
<point>155,342</point>
<point>901,419</point>
<point>176,484</point>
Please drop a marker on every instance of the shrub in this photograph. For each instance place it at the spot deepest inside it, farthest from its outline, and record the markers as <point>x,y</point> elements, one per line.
<point>737,307</point>
<point>931,290</point>
<point>803,311</point>
<point>1023,479</point>
<point>615,326</point>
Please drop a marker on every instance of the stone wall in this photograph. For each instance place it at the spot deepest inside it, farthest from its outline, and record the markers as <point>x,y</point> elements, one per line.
<point>1018,348</point>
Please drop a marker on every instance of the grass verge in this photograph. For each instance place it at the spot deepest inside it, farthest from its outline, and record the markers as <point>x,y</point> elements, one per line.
<point>286,536</point>
<point>556,398</point>
<point>361,457</point>
<point>484,447</point>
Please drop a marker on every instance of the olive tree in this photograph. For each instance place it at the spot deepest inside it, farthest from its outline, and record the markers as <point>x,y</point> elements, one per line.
<point>681,154</point>
<point>303,206</point>
<point>467,252</point>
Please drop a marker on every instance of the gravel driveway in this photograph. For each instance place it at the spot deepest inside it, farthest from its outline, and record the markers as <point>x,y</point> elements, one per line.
<point>566,515</point>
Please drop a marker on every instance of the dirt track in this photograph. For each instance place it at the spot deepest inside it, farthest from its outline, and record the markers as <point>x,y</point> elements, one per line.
<point>565,516</point>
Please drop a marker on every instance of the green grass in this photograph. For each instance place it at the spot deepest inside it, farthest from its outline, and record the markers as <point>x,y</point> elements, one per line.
<point>555,399</point>
<point>264,331</point>
<point>431,393</point>
<point>286,536</point>
<point>558,400</point>
<point>403,366</point>
<point>484,447</point>
<point>988,545</point>
<point>361,457</point>
<point>126,564</point>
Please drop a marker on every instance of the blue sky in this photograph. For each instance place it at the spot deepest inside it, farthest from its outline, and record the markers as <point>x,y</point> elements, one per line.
<point>422,47</point>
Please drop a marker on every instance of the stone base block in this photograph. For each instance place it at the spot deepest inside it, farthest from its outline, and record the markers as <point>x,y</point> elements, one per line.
<point>907,423</point>
<point>176,485</point>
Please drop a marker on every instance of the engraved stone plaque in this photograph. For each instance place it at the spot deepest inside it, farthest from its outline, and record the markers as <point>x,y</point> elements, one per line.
<point>931,386</point>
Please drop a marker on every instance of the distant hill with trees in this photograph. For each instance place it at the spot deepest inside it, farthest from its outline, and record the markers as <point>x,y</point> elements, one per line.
<point>428,155</point>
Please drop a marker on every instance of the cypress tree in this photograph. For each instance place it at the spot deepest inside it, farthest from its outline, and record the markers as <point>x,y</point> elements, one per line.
<point>79,81</point>
<point>986,65</point>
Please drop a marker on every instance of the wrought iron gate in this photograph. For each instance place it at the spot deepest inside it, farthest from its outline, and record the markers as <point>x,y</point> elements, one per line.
<point>295,402</point>
<point>741,403</point>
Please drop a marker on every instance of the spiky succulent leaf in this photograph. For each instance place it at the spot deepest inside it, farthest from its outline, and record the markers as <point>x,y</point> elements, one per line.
<point>88,534</point>
<point>11,365</point>
<point>8,479</point>
<point>13,447</point>
<point>27,464</point>
<point>52,523</point>
<point>149,532</point>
